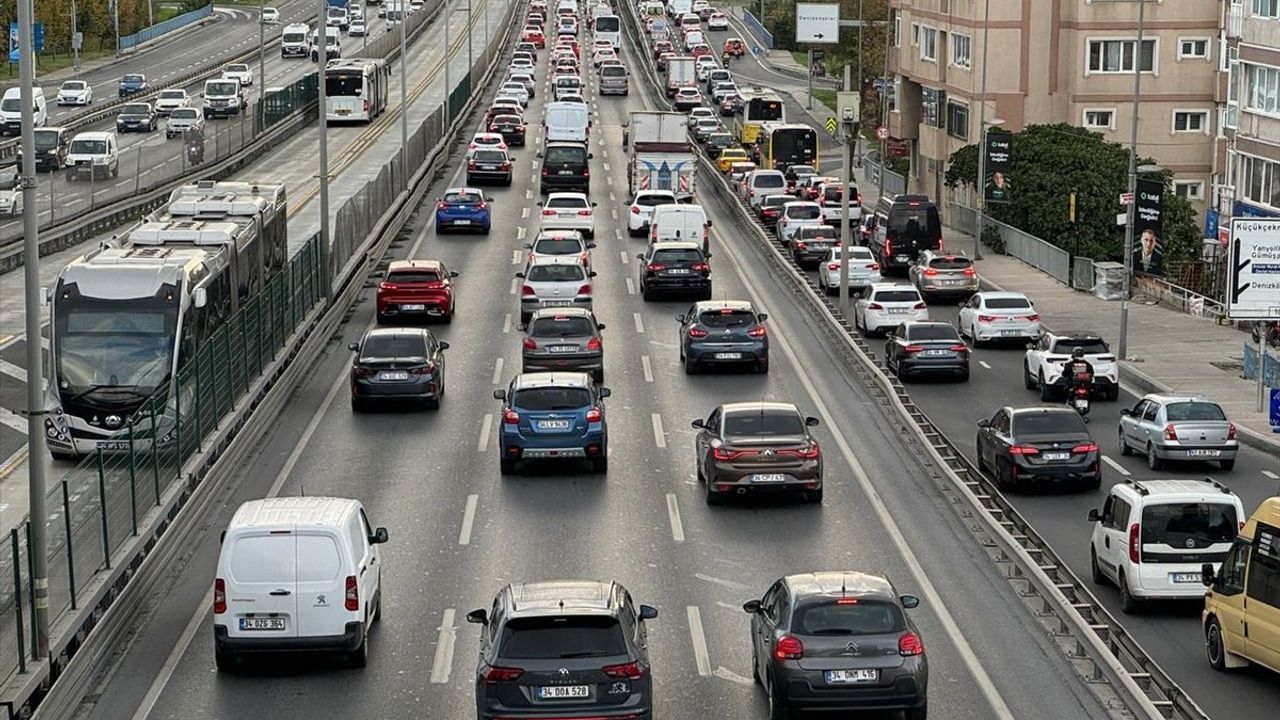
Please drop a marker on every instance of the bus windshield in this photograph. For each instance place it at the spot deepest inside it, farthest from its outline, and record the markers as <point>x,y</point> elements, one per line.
<point>763,109</point>
<point>114,344</point>
<point>343,83</point>
<point>793,146</point>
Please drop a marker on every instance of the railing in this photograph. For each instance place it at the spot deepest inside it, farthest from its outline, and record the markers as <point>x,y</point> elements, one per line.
<point>128,42</point>
<point>1249,371</point>
<point>1192,303</point>
<point>1235,19</point>
<point>894,184</point>
<point>756,27</point>
<point>1029,249</point>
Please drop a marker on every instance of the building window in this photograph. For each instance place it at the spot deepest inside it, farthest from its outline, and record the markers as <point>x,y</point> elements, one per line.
<point>928,44</point>
<point>961,50</point>
<point>1117,56</point>
<point>1260,181</point>
<point>1266,8</point>
<point>1100,118</point>
<point>1191,121</point>
<point>897,28</point>
<point>1193,48</point>
<point>1230,114</point>
<point>915,34</point>
<point>1262,89</point>
<point>1190,189</point>
<point>958,120</point>
<point>933,107</point>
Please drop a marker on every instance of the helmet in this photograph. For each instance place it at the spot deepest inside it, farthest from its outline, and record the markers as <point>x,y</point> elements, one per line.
<point>1077,353</point>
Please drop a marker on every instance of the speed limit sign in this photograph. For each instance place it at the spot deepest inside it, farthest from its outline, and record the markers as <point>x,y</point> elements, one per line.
<point>882,133</point>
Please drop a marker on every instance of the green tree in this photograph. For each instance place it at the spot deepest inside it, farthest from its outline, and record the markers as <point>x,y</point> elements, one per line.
<point>1049,161</point>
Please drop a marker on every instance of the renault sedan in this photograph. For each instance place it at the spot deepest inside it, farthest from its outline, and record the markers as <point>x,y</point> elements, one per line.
<point>720,333</point>
<point>757,447</point>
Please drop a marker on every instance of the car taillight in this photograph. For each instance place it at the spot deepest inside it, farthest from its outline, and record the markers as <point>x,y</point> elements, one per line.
<point>365,104</point>
<point>1170,433</point>
<point>593,415</point>
<point>471,164</point>
<point>987,318</point>
<point>548,212</point>
<point>724,455</point>
<point>584,289</point>
<point>930,272</point>
<point>873,266</point>
<point>809,452</point>
<point>528,291</point>
<point>530,344</point>
<point>501,674</point>
<point>506,166</point>
<point>1135,550</point>
<point>584,213</point>
<point>833,266</point>
<point>363,372</point>
<point>701,267</point>
<point>788,648</point>
<point>424,370</point>
<point>353,594</point>
<point>635,209</point>
<point>960,348</point>
<point>1023,450</point>
<point>545,171</point>
<point>1085,448</point>
<point>1033,318</point>
<point>910,645</point>
<point>888,247</point>
<point>481,205</point>
<point>631,671</point>
<point>874,306</point>
<point>594,344</point>
<point>219,596</point>
<point>970,272</point>
<point>801,245</point>
<point>510,417</point>
<point>757,331</point>
<point>912,348</point>
<point>442,205</point>
<point>697,332</point>
<point>655,267</point>
<point>388,286</point>
<point>1231,431</point>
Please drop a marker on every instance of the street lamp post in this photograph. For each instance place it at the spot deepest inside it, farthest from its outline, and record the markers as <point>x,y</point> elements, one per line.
<point>404,94</point>
<point>981,185</point>
<point>322,58</point>
<point>1133,186</point>
<point>262,57</point>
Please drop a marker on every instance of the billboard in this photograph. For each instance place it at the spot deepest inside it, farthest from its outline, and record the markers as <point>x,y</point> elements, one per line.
<point>37,31</point>
<point>818,23</point>
<point>1148,230</point>
<point>999,152</point>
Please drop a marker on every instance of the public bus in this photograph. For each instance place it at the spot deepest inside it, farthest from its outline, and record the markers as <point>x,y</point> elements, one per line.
<point>356,89</point>
<point>607,27</point>
<point>759,105</point>
<point>783,145</point>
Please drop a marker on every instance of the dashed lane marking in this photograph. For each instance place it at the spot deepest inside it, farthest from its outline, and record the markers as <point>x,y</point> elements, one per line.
<point>485,425</point>
<point>659,435</point>
<point>1116,466</point>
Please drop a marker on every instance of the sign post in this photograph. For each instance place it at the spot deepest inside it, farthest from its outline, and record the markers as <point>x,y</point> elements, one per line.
<point>817,23</point>
<point>1253,287</point>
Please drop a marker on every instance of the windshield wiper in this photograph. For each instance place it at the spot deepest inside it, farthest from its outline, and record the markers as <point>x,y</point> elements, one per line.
<point>129,389</point>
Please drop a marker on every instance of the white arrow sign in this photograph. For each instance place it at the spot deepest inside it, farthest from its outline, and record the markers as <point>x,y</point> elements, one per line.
<point>818,23</point>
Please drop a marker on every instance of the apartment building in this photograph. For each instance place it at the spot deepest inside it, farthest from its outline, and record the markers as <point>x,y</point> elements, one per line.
<point>1055,61</point>
<point>1248,150</point>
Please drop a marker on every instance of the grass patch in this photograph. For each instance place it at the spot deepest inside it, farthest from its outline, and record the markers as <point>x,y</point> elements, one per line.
<point>826,97</point>
<point>801,58</point>
<point>53,62</point>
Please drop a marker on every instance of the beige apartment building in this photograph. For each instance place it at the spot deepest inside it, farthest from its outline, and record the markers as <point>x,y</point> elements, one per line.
<point>1248,152</point>
<point>1058,61</point>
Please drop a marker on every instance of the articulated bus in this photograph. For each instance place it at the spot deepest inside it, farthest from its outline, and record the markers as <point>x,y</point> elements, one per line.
<point>783,145</point>
<point>759,105</point>
<point>356,89</point>
<point>128,315</point>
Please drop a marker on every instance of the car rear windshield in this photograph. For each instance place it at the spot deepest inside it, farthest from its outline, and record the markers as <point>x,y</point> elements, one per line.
<point>1092,346</point>
<point>914,221</point>
<point>552,398</point>
<point>769,180</point>
<point>821,232</point>
<point>567,202</point>
<point>766,423</point>
<point>1007,303</point>
<point>1193,411</point>
<point>405,277</point>
<point>173,94</point>
<point>832,192</point>
<point>897,296</point>
<point>80,85</point>
<point>463,198</point>
<point>566,156</point>
<point>490,156</point>
<point>865,617</point>
<point>557,246</point>
<point>556,273</point>
<point>1048,423</point>
<point>560,326</point>
<point>613,71</point>
<point>561,637</point>
<point>390,346</point>
<point>775,200</point>
<point>691,255</point>
<point>727,317</point>
<point>804,212</point>
<point>950,263</point>
<point>1189,525</point>
<point>506,120</point>
<point>932,332</point>
<point>654,200</point>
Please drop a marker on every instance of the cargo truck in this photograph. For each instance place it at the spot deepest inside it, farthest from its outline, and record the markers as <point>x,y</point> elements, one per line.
<point>661,155</point>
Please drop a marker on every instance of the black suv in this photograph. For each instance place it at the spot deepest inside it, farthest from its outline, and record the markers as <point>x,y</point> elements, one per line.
<point>905,225</point>
<point>570,647</point>
<point>51,148</point>
<point>675,267</point>
<point>565,167</point>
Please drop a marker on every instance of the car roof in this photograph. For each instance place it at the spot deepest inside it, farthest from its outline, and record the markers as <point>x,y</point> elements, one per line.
<point>574,195</point>
<point>1174,489</point>
<point>1041,410</point>
<point>758,406</point>
<point>293,510</point>
<point>676,245</point>
<point>705,305</point>
<point>1170,398</point>
<point>557,260</point>
<point>414,265</point>
<point>1075,335</point>
<point>93,135</point>
<point>524,381</point>
<point>837,584</point>
<point>397,332</point>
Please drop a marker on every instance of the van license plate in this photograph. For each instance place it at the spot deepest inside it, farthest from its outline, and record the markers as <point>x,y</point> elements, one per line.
<point>1185,577</point>
<point>846,677</point>
<point>563,692</point>
<point>264,623</point>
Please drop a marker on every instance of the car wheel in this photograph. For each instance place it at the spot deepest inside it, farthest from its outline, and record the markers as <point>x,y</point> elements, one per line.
<point>1128,603</point>
<point>357,404</point>
<point>1046,390</point>
<point>1003,481</point>
<point>1124,446</point>
<point>1027,379</point>
<point>1227,464</point>
<point>432,403</point>
<point>1153,461</point>
<point>762,367</point>
<point>813,496</point>
<point>1214,647</point>
<point>225,660</point>
<point>359,657</point>
<point>917,713</point>
<point>507,466</point>
<point>706,294</point>
<point>755,665</point>
<point>470,180</point>
<point>712,497</point>
<point>690,367</point>
<point>778,709</point>
<point>377,602</point>
<point>448,317</point>
<point>973,337</point>
<point>1095,572</point>
<point>600,465</point>
<point>1113,393</point>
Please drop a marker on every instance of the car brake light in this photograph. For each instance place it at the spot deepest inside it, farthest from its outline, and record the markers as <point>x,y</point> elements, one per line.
<point>1085,448</point>
<point>697,332</point>
<point>1033,317</point>
<point>724,455</point>
<point>1231,431</point>
<point>584,213</point>
<point>1170,433</point>
<point>910,645</point>
<point>930,272</point>
<point>548,212</point>
<point>912,348</point>
<point>471,164</point>
<point>874,306</point>
<point>833,266</point>
<point>384,285</point>
<point>442,205</point>
<point>970,272</point>
<point>530,344</point>
<point>960,348</point>
<point>1135,554</point>
<point>506,166</point>
<point>594,344</point>
<point>888,247</point>
<point>1023,450</point>
<point>501,674</point>
<point>802,245</point>
<point>701,267</point>
<point>353,594</point>
<point>987,318</point>
<point>528,291</point>
<point>873,266</point>
<point>635,209</point>
<point>631,671</point>
<point>655,267</point>
<point>593,415</point>
<point>810,452</point>
<point>757,331</point>
<point>585,289</point>
<point>510,417</point>
<point>219,596</point>
<point>920,306</point>
<point>788,648</point>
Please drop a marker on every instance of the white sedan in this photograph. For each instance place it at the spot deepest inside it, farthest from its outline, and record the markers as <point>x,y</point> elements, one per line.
<point>864,271</point>
<point>270,16</point>
<point>887,306</point>
<point>569,211</point>
<point>718,21</point>
<point>516,91</point>
<point>75,92</point>
<point>641,209</point>
<point>999,316</point>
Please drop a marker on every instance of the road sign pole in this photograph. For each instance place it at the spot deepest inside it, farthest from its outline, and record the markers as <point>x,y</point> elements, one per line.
<point>810,96</point>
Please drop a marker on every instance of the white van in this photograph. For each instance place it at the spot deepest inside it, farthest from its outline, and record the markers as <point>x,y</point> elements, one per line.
<point>565,121</point>
<point>11,110</point>
<point>567,85</point>
<point>679,221</point>
<point>93,154</point>
<point>223,97</point>
<point>297,574</point>
<point>294,41</point>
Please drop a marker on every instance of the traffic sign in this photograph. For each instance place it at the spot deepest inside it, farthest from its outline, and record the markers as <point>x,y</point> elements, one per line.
<point>818,23</point>
<point>1253,290</point>
<point>1126,198</point>
<point>831,125</point>
<point>882,133</point>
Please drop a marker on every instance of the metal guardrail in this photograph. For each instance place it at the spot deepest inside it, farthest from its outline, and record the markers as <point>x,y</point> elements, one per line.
<point>757,29</point>
<point>128,42</point>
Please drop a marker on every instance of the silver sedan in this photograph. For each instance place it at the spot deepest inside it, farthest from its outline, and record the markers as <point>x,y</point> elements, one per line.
<point>1178,427</point>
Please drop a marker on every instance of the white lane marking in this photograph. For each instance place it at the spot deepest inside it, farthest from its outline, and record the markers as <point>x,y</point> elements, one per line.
<point>647,367</point>
<point>984,364</point>
<point>528,194</point>
<point>608,179</point>
<point>515,257</point>
<point>700,654</point>
<point>673,515</point>
<point>631,286</point>
<point>1116,466</point>
<point>519,232</point>
<point>605,153</point>
<point>468,520</point>
<point>639,322</point>
<point>626,256</point>
<point>524,212</point>
<point>730,584</point>
<point>606,167</point>
<point>506,324</point>
<point>497,371</point>
<point>443,661</point>
<point>613,198</point>
<point>515,285</point>
<point>13,371</point>
<point>1271,475</point>
<point>13,420</point>
<point>615,213</point>
<point>617,233</point>
<point>659,435</point>
<point>936,602</point>
<point>533,178</point>
<point>485,426</point>
<point>725,673</point>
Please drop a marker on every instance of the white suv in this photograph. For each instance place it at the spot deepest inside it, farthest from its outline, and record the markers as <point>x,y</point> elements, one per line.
<point>1152,537</point>
<point>798,214</point>
<point>641,210</point>
<point>1045,358</point>
<point>569,211</point>
<point>888,305</point>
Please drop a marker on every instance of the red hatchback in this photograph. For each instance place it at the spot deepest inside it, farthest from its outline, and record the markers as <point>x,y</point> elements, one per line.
<point>535,36</point>
<point>416,289</point>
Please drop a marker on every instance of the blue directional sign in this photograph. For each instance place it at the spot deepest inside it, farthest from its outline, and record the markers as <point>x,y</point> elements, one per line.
<point>37,31</point>
<point>1275,409</point>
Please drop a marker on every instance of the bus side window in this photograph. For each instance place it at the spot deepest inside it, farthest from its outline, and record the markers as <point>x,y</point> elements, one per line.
<point>1231,577</point>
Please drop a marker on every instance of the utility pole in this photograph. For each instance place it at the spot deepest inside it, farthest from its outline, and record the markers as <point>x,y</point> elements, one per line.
<point>448,47</point>
<point>75,38</point>
<point>850,132</point>
<point>857,149</point>
<point>322,57</point>
<point>809,101</point>
<point>262,57</point>
<point>115,15</point>
<point>981,185</point>
<point>470,59</point>
<point>151,13</point>
<point>1132,210</point>
<point>884,120</point>
<point>404,96</point>
<point>38,552</point>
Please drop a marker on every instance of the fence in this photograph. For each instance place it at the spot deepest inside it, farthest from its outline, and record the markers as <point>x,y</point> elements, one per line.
<point>128,42</point>
<point>757,29</point>
<point>894,184</point>
<point>97,506</point>
<point>1250,369</point>
<point>1029,249</point>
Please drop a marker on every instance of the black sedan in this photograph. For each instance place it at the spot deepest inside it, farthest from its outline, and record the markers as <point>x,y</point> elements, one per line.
<point>718,141</point>
<point>723,332</point>
<point>674,267</point>
<point>511,128</point>
<point>488,166</point>
<point>755,447</point>
<point>926,348</point>
<point>139,117</point>
<point>397,364</point>
<point>1038,447</point>
<point>560,339</point>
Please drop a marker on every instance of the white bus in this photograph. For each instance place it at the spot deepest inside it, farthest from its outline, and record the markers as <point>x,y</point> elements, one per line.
<point>607,27</point>
<point>356,89</point>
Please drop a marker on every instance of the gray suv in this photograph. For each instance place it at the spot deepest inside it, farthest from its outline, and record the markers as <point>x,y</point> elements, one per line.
<point>838,641</point>
<point>613,80</point>
<point>561,648</point>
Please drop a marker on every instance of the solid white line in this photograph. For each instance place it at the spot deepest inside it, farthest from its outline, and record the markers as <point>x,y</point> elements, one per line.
<point>468,520</point>
<point>1271,475</point>
<point>700,655</point>
<point>984,364</point>
<point>497,371</point>
<point>659,436</point>
<point>443,661</point>
<point>13,371</point>
<point>639,322</point>
<point>506,324</point>
<point>1116,466</point>
<point>648,368</point>
<point>673,515</point>
<point>631,287</point>
<point>485,425</point>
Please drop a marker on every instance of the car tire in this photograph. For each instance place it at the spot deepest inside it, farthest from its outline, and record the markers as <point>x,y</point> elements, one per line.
<point>358,405</point>
<point>917,713</point>
<point>778,710</point>
<point>1003,482</point>
<point>507,466</point>
<point>755,665</point>
<point>813,496</point>
<point>600,466</point>
<point>1112,394</point>
<point>484,230</point>
<point>1128,603</point>
<point>470,179</point>
<point>1227,464</point>
<point>226,661</point>
<point>712,497</point>
<point>359,657</point>
<point>432,403</point>
<point>1027,379</point>
<point>1046,390</point>
<point>690,367</point>
<point>1095,571</point>
<point>973,337</point>
<point>448,318</point>
<point>965,377</point>
<point>1214,648</point>
<point>1153,461</point>
<point>762,366</point>
<point>377,602</point>
<point>1124,445</point>
<point>706,294</point>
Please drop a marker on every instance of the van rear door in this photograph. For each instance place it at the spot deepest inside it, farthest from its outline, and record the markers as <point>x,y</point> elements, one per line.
<point>323,568</point>
<point>261,587</point>
<point>910,228</point>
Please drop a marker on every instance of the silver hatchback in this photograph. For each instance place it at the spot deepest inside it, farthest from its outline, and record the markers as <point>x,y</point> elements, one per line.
<point>553,282</point>
<point>1179,428</point>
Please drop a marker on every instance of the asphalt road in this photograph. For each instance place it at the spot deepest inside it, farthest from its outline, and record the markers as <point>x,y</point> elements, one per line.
<point>644,524</point>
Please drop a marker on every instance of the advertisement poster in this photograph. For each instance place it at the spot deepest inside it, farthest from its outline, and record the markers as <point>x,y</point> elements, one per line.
<point>1148,231</point>
<point>999,149</point>
<point>818,65</point>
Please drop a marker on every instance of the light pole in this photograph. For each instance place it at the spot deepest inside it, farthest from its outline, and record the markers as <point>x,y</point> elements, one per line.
<point>470,59</point>
<point>262,58</point>
<point>75,38</point>
<point>115,16</point>
<point>981,185</point>
<point>884,120</point>
<point>322,58</point>
<point>1133,186</point>
<point>448,86</point>
<point>404,95</point>
<point>850,127</point>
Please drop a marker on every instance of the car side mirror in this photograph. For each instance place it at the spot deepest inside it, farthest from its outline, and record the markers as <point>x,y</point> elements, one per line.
<point>1207,575</point>
<point>640,256</point>
<point>909,602</point>
<point>1094,516</point>
<point>200,298</point>
<point>680,319</point>
<point>984,423</point>
<point>709,223</point>
<point>605,392</point>
<point>811,421</point>
<point>591,246</point>
<point>379,536</point>
<point>499,394</point>
<point>1126,412</point>
<point>444,344</point>
<point>539,153</point>
<point>591,274</point>
<point>590,155</point>
<point>698,424</point>
<point>353,347</point>
<point>751,606</point>
<point>1031,346</point>
<point>592,204</point>
<point>648,612</point>
<point>454,273</point>
<point>520,275</point>
<point>478,617</point>
<point>528,246</point>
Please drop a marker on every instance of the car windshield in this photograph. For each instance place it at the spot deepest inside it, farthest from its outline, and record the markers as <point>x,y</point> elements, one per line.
<point>463,197</point>
<point>1092,346</point>
<point>763,423</point>
<point>552,398</point>
<point>135,109</point>
<point>1189,525</point>
<point>821,232</point>
<point>557,246</point>
<point>173,94</point>
<point>1191,411</point>
<point>74,85</point>
<point>932,332</point>
<point>1004,303</point>
<point>560,326</point>
<point>950,263</point>
<point>1048,423</point>
<point>561,637</point>
<point>556,273</point>
<point>897,296</point>
<point>115,344</point>
<point>408,277</point>
<point>183,114</point>
<point>131,79</point>
<point>88,147</point>
<point>727,317</point>
<point>220,89</point>
<point>295,37</point>
<point>11,104</point>
<point>804,212</point>
<point>237,68</point>
<point>769,180</point>
<point>392,346</point>
<point>46,139</point>
<point>654,200</point>
<point>863,617</point>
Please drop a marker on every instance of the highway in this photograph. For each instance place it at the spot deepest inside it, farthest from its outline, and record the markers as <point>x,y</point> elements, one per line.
<point>459,530</point>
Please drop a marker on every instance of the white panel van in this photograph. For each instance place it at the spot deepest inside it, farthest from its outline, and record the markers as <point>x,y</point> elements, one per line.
<point>566,121</point>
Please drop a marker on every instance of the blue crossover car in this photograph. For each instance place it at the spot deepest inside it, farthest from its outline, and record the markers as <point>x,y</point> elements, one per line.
<point>462,208</point>
<point>553,415</point>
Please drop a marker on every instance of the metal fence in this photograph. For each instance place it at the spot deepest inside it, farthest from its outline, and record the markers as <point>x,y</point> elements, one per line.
<point>128,42</point>
<point>894,184</point>
<point>1029,249</point>
<point>1249,371</point>
<point>96,507</point>
<point>757,29</point>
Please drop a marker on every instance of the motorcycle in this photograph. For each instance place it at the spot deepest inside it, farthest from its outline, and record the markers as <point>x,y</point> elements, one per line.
<point>1078,400</point>
<point>1271,331</point>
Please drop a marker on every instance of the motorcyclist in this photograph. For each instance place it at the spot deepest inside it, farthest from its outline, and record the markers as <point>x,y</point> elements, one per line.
<point>1078,371</point>
<point>724,58</point>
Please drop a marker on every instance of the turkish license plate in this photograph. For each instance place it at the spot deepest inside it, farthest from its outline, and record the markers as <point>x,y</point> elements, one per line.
<point>109,445</point>
<point>678,271</point>
<point>553,424</point>
<point>767,478</point>
<point>562,348</point>
<point>397,375</point>
<point>461,222</point>
<point>488,167</point>
<point>896,311</point>
<point>1081,403</point>
<point>1056,456</point>
<point>344,112</point>
<point>566,172</point>
<point>557,303</point>
<point>263,623</point>
<point>847,677</point>
<point>1008,333</point>
<point>728,356</point>
<point>934,353</point>
<point>1203,453</point>
<point>900,258</point>
<point>563,692</point>
<point>1185,577</point>
<point>410,307</point>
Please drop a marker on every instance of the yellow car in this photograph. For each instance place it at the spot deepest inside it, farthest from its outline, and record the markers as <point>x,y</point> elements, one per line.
<point>729,156</point>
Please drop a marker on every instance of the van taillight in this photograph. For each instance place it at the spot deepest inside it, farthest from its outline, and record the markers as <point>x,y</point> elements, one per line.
<point>353,594</point>
<point>1135,555</point>
<point>219,596</point>
<point>888,247</point>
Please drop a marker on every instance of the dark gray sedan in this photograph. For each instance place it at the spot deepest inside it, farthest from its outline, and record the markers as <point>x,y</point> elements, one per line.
<point>838,641</point>
<point>723,332</point>
<point>926,348</point>
<point>558,339</point>
<point>397,364</point>
<point>754,447</point>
